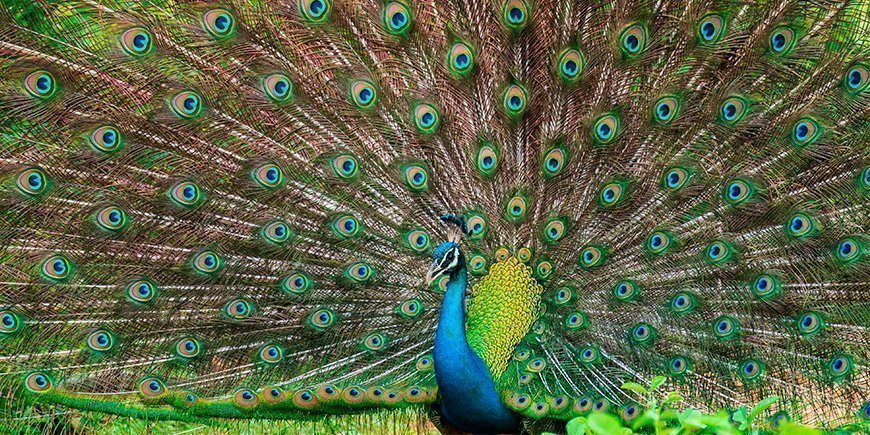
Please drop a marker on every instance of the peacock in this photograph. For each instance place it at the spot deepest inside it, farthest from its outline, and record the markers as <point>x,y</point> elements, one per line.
<point>491,212</point>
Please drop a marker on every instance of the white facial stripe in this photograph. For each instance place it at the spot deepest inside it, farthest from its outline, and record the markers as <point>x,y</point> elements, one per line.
<point>453,262</point>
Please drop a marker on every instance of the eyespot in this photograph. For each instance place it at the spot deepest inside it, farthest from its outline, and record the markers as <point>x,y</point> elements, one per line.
<point>322,319</point>
<point>839,365</point>
<point>355,394</point>
<point>805,131</point>
<point>658,242</point>
<point>611,194</point>
<point>725,327</point>
<point>519,402</point>
<point>800,225</point>
<point>137,41</point>
<point>601,405</point>
<point>633,40</point>
<point>417,240</point>
<point>675,178</point>
<point>524,379</point>
<point>487,159</point>
<point>630,411</point>
<point>151,387</point>
<point>582,404</point>
<point>765,286</point>
<point>426,118</point>
<point>571,65</point>
<point>750,369</point>
<point>271,354</point>
<point>10,322</point>
<point>522,354</point>
<point>733,109</point>
<point>410,308</point>
<point>554,230</point>
<point>315,11</point>
<point>738,191</point>
<point>460,59</point>
<point>278,87</point>
<point>514,100</point>
<point>374,341</point>
<point>186,104</point>
<point>207,262</point>
<point>220,23</point>
<point>106,138</point>
<point>502,254</point>
<point>38,382</point>
<point>558,403</point>
<point>397,18</point>
<point>112,218</point>
<point>359,272</point>
<point>345,166</point>
<point>40,84</point>
<point>477,225</point>
<point>589,354</point>
<point>186,194</point>
<point>478,264</point>
<point>268,175</point>
<point>575,321</point>
<point>605,129</point>
<point>416,177</point>
<point>141,291</point>
<point>779,419</point>
<point>516,208</point>
<point>346,226</point>
<point>591,256</point>
<point>515,14</point>
<point>679,365</point>
<point>848,250</point>
<point>238,309</point>
<point>425,363</point>
<point>718,252</point>
<point>31,181</point>
<point>297,283</point>
<point>101,340</point>
<point>865,178</point>
<point>666,109</point>
<point>187,348</point>
<point>809,323</point>
<point>245,398</point>
<point>272,394</point>
<point>363,93</point>
<point>710,29</point>
<point>683,302</point>
<point>276,232</point>
<point>543,270</point>
<point>56,268</point>
<point>782,40</point>
<point>643,333</point>
<point>563,295</point>
<point>625,291</point>
<point>524,254</point>
<point>305,399</point>
<point>856,78</point>
<point>553,162</point>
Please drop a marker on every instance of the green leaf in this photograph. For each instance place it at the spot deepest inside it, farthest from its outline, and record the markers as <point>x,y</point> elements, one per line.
<point>604,424</point>
<point>739,417</point>
<point>673,397</point>
<point>633,386</point>
<point>791,428</point>
<point>577,426</point>
<point>657,382</point>
<point>761,406</point>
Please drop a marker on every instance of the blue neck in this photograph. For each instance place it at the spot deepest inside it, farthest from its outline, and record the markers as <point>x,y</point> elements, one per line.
<point>469,400</point>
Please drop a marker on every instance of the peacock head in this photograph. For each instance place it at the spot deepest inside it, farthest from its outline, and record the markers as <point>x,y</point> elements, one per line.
<point>446,259</point>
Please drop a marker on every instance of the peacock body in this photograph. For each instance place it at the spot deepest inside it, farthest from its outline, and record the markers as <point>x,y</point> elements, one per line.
<point>227,210</point>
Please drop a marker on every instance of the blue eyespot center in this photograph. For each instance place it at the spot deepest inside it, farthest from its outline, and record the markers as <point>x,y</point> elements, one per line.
<point>190,104</point>
<point>553,164</point>
<point>632,43</point>
<point>845,248</point>
<point>272,175</point>
<point>361,271</point>
<point>680,302</point>
<point>838,364</point>
<point>609,194</point>
<point>762,284</point>
<point>462,61</point>
<point>35,181</point>
<point>604,131</point>
<point>59,266</point>
<point>802,131</point>
<point>515,102</point>
<point>8,320</point>
<point>398,20</point>
<point>316,8</point>
<point>189,346</point>
<point>749,368</point>
<point>43,83</point>
<point>154,386</point>
<point>140,41</point>
<point>305,396</point>
<point>570,68</point>
<point>281,87</point>
<point>241,308</point>
<point>418,177</point>
<point>515,15</point>
<point>729,111</point>
<point>797,223</point>
<point>663,110</point>
<point>365,95</point>
<point>778,41</point>
<point>488,162</point>
<point>427,119</point>
<point>708,30</point>
<point>722,326</point>
<point>656,241</point>
<point>854,78</point>
<point>477,228</point>
<point>324,317</point>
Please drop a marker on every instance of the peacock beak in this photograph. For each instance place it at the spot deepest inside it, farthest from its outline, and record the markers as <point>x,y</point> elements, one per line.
<point>435,270</point>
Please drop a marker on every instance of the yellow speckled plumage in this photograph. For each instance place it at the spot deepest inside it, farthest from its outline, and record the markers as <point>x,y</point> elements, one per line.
<point>502,308</point>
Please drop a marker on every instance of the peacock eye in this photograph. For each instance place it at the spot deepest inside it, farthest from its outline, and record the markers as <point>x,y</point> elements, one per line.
<point>137,41</point>
<point>56,268</point>
<point>220,23</point>
<point>487,159</point>
<point>666,109</point>
<point>151,387</point>
<point>725,327</point>
<point>363,94</point>
<point>112,218</point>
<point>460,59</point>
<point>187,348</point>
<point>805,131</point>
<point>426,118</point>
<point>710,29</point>
<point>315,11</point>
<point>571,65</point>
<point>271,354</point>
<point>516,208</point>
<point>397,18</point>
<point>675,178</point>
<point>186,194</point>
<point>856,78</point>
<point>553,162</point>
<point>800,225</point>
<point>633,40</point>
<point>416,177</point>
<point>515,14</point>
<point>733,109</point>
<point>40,84</point>
<point>186,104</point>
<point>359,272</point>
<point>106,138</point>
<point>32,181</point>
<point>782,40</point>
<point>278,87</point>
<point>10,323</point>
<point>276,232</point>
<point>514,100</point>
<point>38,382</point>
<point>268,175</point>
<point>321,319</point>
<point>605,129</point>
<point>206,262</point>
